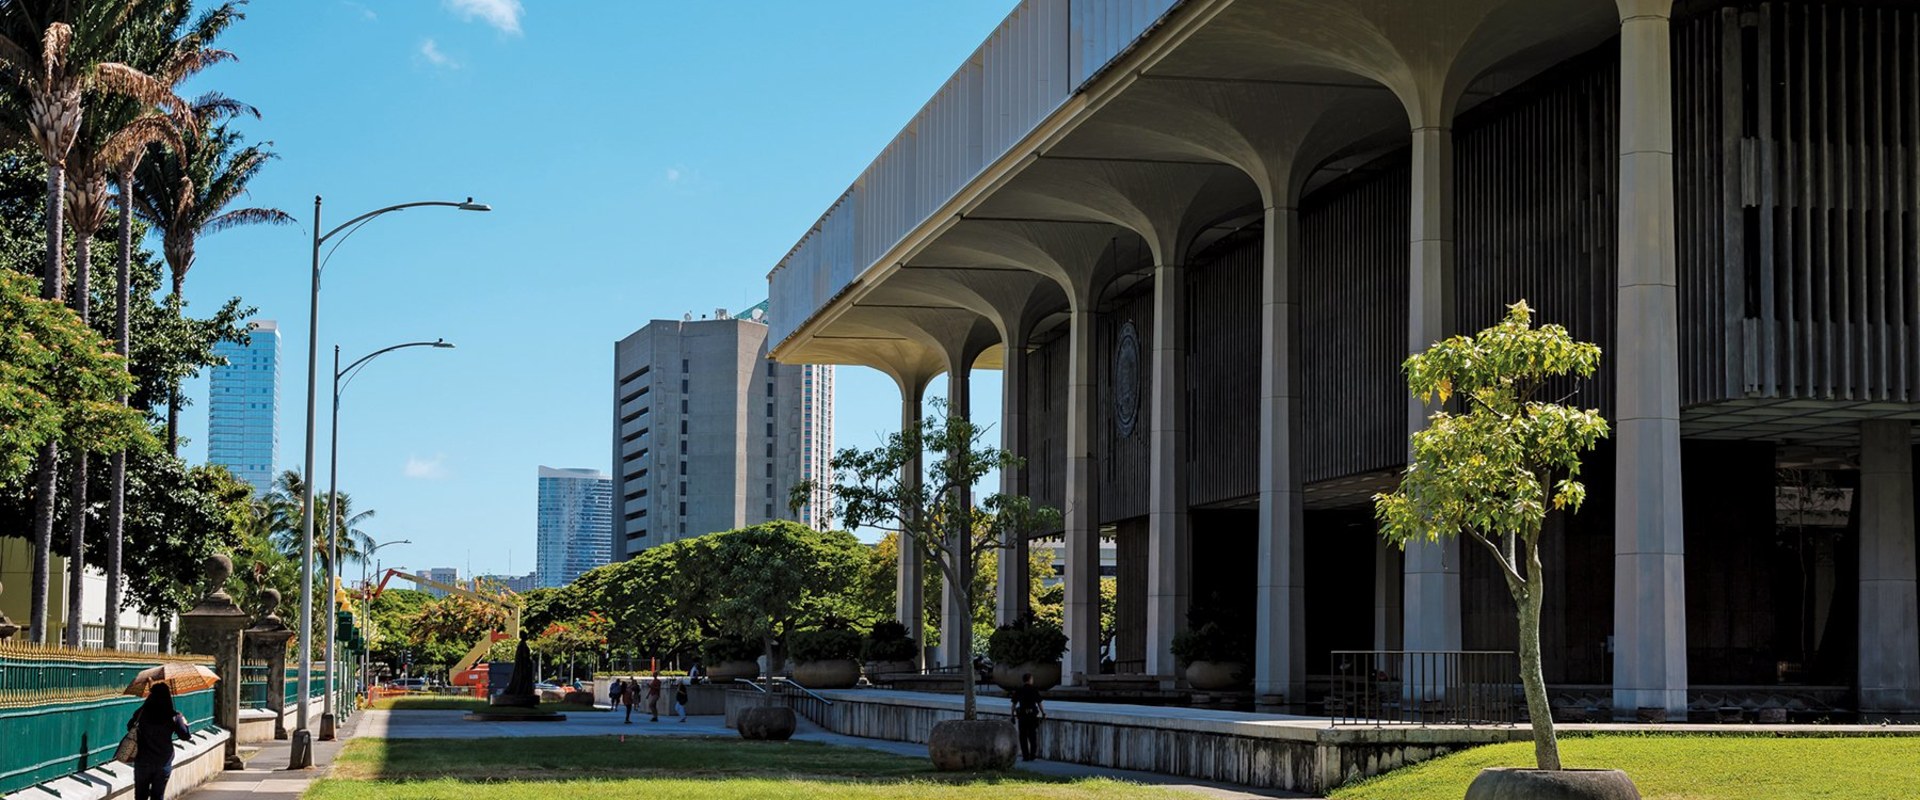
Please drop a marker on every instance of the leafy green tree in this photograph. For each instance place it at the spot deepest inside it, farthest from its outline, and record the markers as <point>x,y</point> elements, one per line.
<point>573,640</point>
<point>59,382</point>
<point>874,489</point>
<point>765,581</point>
<point>1492,471</point>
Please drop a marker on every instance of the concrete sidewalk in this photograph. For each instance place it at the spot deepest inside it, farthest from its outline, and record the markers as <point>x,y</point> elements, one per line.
<point>267,776</point>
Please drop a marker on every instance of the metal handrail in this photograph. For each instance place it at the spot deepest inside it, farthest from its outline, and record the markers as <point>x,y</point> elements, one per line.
<point>789,682</point>
<point>752,683</point>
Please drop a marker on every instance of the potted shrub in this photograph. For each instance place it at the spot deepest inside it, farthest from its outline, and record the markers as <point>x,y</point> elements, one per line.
<point>825,659</point>
<point>888,650</point>
<point>730,658</point>
<point>1026,647</point>
<point>1215,657</point>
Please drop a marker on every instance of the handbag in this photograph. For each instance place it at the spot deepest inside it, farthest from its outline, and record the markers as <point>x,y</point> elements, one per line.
<point>129,744</point>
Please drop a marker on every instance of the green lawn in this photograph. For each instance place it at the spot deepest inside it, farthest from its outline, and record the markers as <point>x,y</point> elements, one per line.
<point>650,767</point>
<point>426,702</point>
<point>1687,768</point>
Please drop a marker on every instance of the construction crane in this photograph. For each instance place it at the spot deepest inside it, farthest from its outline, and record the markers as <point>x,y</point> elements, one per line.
<point>505,600</point>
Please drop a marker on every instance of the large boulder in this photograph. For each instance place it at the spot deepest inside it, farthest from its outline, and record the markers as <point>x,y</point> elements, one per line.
<point>1502,783</point>
<point>772,723</point>
<point>973,745</point>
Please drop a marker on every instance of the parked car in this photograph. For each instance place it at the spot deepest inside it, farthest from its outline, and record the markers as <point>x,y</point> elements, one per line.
<point>411,684</point>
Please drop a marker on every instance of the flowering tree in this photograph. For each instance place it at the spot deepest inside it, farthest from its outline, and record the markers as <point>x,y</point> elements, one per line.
<point>1493,470</point>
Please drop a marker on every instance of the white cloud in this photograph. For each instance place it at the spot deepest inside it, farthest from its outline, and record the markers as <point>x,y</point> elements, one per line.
<point>365,12</point>
<point>431,52</point>
<point>427,468</point>
<point>501,14</point>
<point>673,174</point>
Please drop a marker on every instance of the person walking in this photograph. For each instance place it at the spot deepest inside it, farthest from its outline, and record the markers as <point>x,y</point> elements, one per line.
<point>613,693</point>
<point>1028,712</point>
<point>653,698</point>
<point>680,699</point>
<point>155,725</point>
<point>631,695</point>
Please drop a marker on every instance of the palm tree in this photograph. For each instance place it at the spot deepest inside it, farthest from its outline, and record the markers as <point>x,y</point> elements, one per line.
<point>52,56</point>
<point>185,192</point>
<point>283,512</point>
<point>180,51</point>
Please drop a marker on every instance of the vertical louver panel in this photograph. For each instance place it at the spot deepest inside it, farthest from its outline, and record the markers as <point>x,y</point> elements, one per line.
<point>1825,98</point>
<point>1535,209</point>
<point>1355,248</point>
<point>1223,368</point>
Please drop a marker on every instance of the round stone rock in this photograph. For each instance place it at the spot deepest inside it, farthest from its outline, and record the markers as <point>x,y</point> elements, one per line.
<point>976,745</point>
<point>1564,784</point>
<point>771,723</point>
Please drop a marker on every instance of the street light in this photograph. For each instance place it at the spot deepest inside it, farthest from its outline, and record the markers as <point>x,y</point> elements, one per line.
<point>302,751</point>
<point>366,605</point>
<point>333,517</point>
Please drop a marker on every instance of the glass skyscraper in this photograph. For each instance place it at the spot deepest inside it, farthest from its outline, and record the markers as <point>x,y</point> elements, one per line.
<point>575,524</point>
<point>243,414</point>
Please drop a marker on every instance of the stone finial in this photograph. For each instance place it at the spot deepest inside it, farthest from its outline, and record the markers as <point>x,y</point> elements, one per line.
<point>218,568</point>
<point>269,602</point>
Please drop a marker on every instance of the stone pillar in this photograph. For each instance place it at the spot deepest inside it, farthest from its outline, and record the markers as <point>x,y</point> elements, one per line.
<point>1280,633</point>
<point>1431,616</point>
<point>1649,597</point>
<point>909,586</point>
<point>1889,615</point>
<point>954,609</point>
<point>1011,582</point>
<point>266,639</point>
<point>1082,518</point>
<point>1167,523</point>
<point>212,627</point>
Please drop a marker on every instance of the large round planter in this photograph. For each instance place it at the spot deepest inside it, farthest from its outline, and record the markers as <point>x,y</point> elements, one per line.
<point>767,723</point>
<point>1562,784</point>
<point>729,671</point>
<point>1045,676</point>
<point>880,670</point>
<point>1213,676</point>
<point>973,745</point>
<point>837,674</point>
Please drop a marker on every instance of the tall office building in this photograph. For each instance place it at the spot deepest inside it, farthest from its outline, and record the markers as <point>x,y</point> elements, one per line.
<point>575,520</point>
<point>709,435</point>
<point>447,575</point>
<point>243,431</point>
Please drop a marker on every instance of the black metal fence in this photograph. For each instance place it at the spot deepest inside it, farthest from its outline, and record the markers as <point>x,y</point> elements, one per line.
<point>1424,687</point>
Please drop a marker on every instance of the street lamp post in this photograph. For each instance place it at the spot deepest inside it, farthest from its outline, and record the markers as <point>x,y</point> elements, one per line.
<point>301,755</point>
<point>327,717</point>
<point>366,605</point>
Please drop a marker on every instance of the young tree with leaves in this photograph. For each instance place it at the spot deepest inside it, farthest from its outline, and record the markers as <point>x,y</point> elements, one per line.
<point>1493,470</point>
<point>875,488</point>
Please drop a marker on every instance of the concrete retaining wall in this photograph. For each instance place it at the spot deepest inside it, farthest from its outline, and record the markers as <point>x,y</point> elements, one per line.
<point>195,762</point>
<point>256,724</point>
<point>1296,755</point>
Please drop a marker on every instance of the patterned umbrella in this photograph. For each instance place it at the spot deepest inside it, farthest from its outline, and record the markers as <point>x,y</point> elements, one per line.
<point>182,677</point>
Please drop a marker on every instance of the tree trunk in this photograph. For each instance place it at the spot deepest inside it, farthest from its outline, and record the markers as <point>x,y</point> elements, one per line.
<point>77,515</point>
<point>117,504</point>
<point>48,483</point>
<point>1546,748</point>
<point>173,393</point>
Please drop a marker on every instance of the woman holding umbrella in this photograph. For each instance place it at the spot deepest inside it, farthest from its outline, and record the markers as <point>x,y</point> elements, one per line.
<point>155,725</point>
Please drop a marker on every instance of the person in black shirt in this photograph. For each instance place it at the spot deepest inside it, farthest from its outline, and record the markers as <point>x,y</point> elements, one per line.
<point>1028,712</point>
<point>156,724</point>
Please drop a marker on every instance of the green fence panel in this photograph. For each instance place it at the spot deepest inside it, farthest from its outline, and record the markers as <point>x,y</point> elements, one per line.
<point>64,711</point>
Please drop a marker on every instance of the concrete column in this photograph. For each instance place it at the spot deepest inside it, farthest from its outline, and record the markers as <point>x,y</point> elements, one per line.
<point>1649,597</point>
<point>1432,601</point>
<point>1889,615</point>
<point>1082,519</point>
<point>909,586</point>
<point>1167,529</point>
<point>1011,582</point>
<point>1279,672</point>
<point>953,605</point>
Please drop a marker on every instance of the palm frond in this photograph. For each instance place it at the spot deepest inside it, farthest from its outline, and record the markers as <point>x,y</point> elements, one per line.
<point>121,79</point>
<point>55,47</point>
<point>247,216</point>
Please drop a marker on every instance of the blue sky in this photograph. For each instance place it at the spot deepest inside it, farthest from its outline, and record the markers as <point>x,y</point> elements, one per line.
<point>644,160</point>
